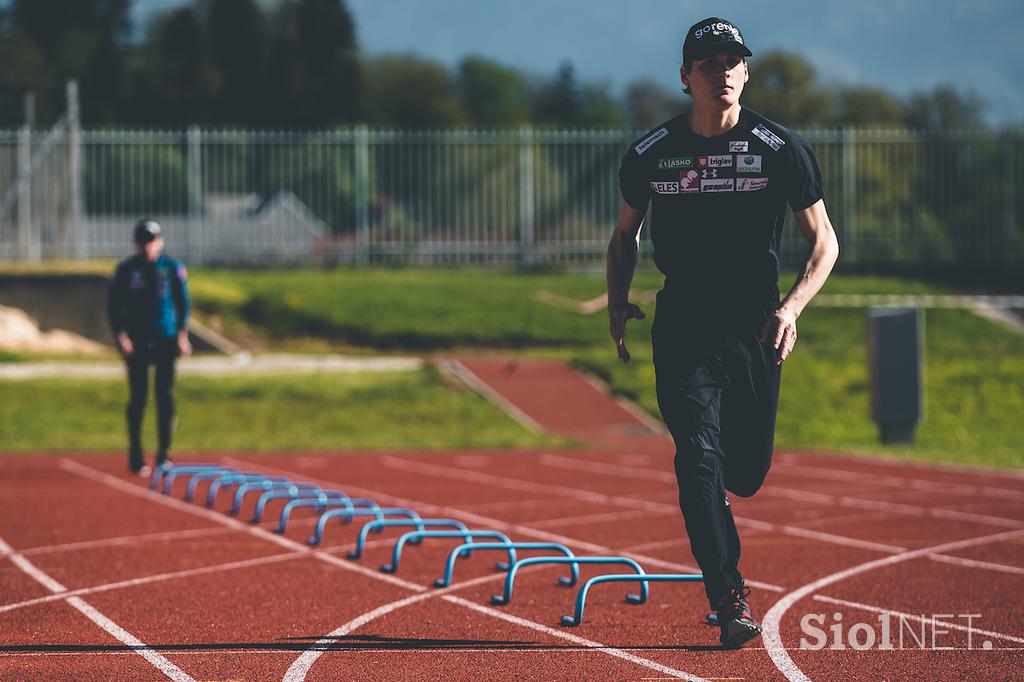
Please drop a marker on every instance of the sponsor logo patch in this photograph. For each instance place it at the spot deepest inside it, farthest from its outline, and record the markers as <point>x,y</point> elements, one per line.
<point>136,281</point>
<point>715,161</point>
<point>768,137</point>
<point>689,181</point>
<point>675,163</point>
<point>719,185</point>
<point>669,187</point>
<point>738,146</point>
<point>646,143</point>
<point>709,173</point>
<point>718,28</point>
<point>748,163</point>
<point>750,184</point>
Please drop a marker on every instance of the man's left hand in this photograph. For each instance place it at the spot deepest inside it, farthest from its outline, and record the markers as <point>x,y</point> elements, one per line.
<point>780,329</point>
<point>184,345</point>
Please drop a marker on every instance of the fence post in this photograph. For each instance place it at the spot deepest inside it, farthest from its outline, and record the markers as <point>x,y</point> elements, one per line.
<point>77,236</point>
<point>194,187</point>
<point>362,194</point>
<point>26,244</point>
<point>849,226</point>
<point>527,251</point>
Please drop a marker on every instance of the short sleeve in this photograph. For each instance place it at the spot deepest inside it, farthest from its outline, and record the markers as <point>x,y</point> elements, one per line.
<point>633,183</point>
<point>804,186</point>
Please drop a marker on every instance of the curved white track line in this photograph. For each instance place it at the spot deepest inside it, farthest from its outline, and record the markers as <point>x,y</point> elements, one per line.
<point>300,668</point>
<point>773,619</point>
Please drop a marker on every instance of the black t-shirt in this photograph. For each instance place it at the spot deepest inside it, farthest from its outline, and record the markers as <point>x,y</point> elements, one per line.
<point>718,205</point>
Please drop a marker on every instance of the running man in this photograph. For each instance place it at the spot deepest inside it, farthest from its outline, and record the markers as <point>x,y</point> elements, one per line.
<point>718,180</point>
<point>147,308</point>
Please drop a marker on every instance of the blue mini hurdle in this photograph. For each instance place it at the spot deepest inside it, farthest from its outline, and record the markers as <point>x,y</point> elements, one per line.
<point>329,498</point>
<point>193,483</point>
<point>574,563</point>
<point>265,498</point>
<point>414,537</point>
<point>266,486</point>
<point>581,597</point>
<point>421,524</point>
<point>348,512</point>
<point>237,480</point>
<point>463,550</point>
<point>168,472</point>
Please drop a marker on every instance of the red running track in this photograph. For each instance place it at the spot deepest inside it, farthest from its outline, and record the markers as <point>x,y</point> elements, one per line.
<point>101,578</point>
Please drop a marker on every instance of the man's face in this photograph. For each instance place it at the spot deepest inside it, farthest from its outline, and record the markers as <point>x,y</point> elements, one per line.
<point>716,81</point>
<point>150,250</point>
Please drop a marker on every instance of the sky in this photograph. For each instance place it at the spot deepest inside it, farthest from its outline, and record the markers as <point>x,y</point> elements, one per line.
<point>903,46</point>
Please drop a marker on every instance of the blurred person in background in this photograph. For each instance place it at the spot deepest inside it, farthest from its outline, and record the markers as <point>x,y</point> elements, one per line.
<point>718,180</point>
<point>148,308</point>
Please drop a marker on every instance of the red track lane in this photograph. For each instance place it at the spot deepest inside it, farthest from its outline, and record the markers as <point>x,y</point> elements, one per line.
<point>818,514</point>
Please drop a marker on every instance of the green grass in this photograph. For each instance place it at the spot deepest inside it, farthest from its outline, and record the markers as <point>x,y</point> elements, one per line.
<point>329,411</point>
<point>974,368</point>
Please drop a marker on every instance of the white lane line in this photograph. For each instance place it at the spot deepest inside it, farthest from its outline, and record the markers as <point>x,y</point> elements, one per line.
<point>497,524</point>
<point>186,573</point>
<point>466,376</point>
<point>919,619</point>
<point>561,634</point>
<point>124,540</point>
<point>773,618</point>
<point>899,483</point>
<point>597,518</point>
<point>166,500</point>
<point>974,563</point>
<point>896,462</point>
<point>172,671</point>
<point>139,491</point>
<point>773,490</point>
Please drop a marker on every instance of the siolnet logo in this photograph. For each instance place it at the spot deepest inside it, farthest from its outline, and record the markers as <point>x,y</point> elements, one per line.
<point>738,146</point>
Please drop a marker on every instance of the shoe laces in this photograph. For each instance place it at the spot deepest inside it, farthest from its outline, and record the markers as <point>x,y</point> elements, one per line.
<point>736,601</point>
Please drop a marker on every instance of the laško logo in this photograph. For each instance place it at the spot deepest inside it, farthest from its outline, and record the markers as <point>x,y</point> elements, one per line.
<point>675,163</point>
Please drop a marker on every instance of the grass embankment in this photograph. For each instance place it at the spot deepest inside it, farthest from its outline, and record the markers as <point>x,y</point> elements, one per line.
<point>329,411</point>
<point>974,368</point>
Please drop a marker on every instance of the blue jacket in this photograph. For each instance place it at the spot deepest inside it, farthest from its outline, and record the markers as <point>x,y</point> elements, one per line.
<point>150,301</point>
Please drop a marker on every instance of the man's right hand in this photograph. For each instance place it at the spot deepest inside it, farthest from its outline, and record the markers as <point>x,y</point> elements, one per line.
<point>618,315</point>
<point>125,345</point>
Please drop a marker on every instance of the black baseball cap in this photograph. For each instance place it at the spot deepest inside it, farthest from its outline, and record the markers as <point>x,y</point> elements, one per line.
<point>146,230</point>
<point>712,35</point>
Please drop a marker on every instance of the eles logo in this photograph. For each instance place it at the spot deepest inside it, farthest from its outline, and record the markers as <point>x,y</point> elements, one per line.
<point>670,187</point>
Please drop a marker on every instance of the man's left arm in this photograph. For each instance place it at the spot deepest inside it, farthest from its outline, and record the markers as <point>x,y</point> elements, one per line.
<point>780,328</point>
<point>182,306</point>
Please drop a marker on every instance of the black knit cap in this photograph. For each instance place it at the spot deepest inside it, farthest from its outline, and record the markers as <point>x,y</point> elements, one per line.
<point>712,35</point>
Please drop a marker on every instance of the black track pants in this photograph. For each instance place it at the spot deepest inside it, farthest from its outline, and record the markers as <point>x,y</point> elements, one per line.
<point>718,395</point>
<point>162,354</point>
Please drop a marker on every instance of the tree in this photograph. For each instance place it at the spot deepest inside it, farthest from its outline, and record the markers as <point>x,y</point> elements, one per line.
<point>867,106</point>
<point>237,39</point>
<point>782,87</point>
<point>404,91</point>
<point>648,103</point>
<point>493,95</point>
<point>175,79</point>
<point>558,101</point>
<point>83,39</point>
<point>315,71</point>
<point>944,108</point>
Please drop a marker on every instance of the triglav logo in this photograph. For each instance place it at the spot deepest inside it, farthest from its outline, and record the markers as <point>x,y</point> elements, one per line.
<point>890,631</point>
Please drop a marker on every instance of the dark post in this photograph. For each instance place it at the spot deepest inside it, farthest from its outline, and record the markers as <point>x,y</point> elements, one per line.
<point>896,364</point>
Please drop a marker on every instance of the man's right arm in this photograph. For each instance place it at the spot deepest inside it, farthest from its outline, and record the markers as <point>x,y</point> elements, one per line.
<point>115,313</point>
<point>623,253</point>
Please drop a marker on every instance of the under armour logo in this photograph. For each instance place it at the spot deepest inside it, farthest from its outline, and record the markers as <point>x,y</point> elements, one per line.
<point>709,173</point>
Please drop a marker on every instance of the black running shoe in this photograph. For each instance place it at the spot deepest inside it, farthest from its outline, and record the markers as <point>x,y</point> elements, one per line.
<point>735,619</point>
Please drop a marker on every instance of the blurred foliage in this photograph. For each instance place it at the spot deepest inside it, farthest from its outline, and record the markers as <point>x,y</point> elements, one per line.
<point>296,64</point>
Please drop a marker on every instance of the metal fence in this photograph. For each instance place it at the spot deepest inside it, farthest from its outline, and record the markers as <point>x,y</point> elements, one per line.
<point>529,196</point>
